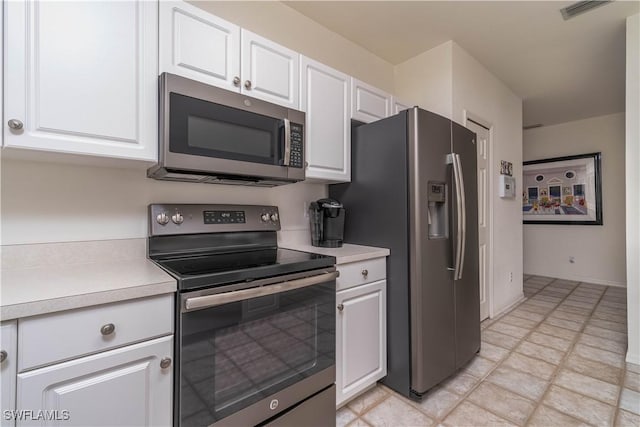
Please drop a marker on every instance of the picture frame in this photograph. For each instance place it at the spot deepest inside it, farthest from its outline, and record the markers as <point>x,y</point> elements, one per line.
<point>563,190</point>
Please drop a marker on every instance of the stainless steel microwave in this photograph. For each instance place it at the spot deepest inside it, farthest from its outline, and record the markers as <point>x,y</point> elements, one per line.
<point>212,135</point>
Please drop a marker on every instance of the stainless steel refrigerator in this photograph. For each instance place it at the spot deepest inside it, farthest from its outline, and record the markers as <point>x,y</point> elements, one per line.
<point>413,190</point>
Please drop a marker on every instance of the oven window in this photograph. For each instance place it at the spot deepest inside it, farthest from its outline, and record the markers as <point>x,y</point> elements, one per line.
<point>237,354</point>
<point>208,129</point>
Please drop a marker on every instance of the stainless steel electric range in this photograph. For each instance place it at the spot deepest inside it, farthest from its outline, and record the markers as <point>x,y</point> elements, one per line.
<point>255,324</point>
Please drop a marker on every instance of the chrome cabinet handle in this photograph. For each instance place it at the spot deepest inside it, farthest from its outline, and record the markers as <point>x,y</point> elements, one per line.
<point>365,272</point>
<point>3,356</point>
<point>15,124</point>
<point>165,362</point>
<point>340,307</point>
<point>236,81</point>
<point>463,214</point>
<point>247,84</point>
<point>108,329</point>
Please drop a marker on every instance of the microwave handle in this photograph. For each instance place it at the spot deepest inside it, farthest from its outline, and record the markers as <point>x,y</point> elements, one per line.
<point>287,142</point>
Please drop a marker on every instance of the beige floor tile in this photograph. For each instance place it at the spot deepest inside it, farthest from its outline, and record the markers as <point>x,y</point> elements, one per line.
<point>627,419</point>
<point>519,382</point>
<point>588,386</point>
<point>586,292</point>
<point>359,422</point>
<point>548,298</point>
<point>541,352</point>
<point>633,367</point>
<point>367,400</point>
<point>594,369</point>
<point>492,352</point>
<point>438,402</point>
<point>599,355</point>
<point>549,341</point>
<point>534,302</point>
<point>553,294</point>
<point>393,412</point>
<point>579,406</point>
<point>468,414</point>
<point>502,402</point>
<point>616,305</point>
<point>603,343</point>
<point>549,417</point>
<point>529,365</point>
<point>605,333</point>
<point>479,367</point>
<point>565,334</point>
<point>630,401</point>
<point>605,324</point>
<point>519,321</point>
<point>507,329</point>
<point>561,323</point>
<point>605,309</point>
<point>577,310</point>
<point>565,315</point>
<point>535,308</point>
<point>501,340</point>
<point>344,416</point>
<point>536,317</point>
<point>632,380</point>
<point>460,383</point>
<point>590,299</point>
<point>612,317</point>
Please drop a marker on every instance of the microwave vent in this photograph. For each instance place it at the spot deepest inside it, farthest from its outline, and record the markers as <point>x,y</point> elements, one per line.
<point>581,7</point>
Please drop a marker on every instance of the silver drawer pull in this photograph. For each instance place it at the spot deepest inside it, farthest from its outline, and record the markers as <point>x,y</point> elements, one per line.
<point>365,272</point>
<point>15,124</point>
<point>165,362</point>
<point>108,329</point>
<point>3,356</point>
<point>340,307</point>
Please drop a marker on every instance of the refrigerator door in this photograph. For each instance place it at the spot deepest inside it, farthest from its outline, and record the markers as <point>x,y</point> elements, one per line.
<point>431,285</point>
<point>467,293</point>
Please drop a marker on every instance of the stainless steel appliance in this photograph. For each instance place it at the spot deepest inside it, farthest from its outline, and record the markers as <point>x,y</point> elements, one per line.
<point>327,223</point>
<point>255,324</point>
<point>413,190</point>
<point>212,135</point>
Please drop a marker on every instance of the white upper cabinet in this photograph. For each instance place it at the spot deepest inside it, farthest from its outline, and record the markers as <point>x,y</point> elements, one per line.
<point>269,71</point>
<point>326,99</point>
<point>81,77</point>
<point>368,103</point>
<point>199,45</point>
<point>397,105</point>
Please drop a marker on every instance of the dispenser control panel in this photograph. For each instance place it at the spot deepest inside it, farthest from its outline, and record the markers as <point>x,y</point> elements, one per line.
<point>437,192</point>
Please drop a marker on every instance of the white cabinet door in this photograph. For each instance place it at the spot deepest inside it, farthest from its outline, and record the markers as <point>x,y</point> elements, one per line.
<point>122,387</point>
<point>269,71</point>
<point>326,99</point>
<point>81,77</point>
<point>368,103</point>
<point>8,366</point>
<point>198,45</point>
<point>397,105</point>
<point>361,339</point>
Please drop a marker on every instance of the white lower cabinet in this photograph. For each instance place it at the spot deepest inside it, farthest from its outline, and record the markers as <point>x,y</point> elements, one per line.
<point>361,338</point>
<point>128,386</point>
<point>8,365</point>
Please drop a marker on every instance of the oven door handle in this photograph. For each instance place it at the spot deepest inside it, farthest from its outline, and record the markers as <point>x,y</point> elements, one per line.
<point>198,303</point>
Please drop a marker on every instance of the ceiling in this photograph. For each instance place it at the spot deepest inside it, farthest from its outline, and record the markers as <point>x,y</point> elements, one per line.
<point>563,70</point>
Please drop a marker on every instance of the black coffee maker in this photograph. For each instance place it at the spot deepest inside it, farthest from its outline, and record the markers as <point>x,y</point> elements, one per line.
<point>327,223</point>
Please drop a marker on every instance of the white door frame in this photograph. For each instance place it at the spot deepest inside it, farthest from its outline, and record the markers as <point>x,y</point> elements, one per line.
<point>479,120</point>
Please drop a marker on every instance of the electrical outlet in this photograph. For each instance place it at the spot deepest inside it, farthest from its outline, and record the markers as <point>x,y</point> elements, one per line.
<point>510,276</point>
<point>572,260</point>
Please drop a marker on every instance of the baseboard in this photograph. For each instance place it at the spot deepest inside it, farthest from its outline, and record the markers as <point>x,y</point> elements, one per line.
<point>580,279</point>
<point>633,358</point>
<point>511,305</point>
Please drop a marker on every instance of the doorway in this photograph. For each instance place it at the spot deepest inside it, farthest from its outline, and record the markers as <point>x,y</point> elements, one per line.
<point>483,146</point>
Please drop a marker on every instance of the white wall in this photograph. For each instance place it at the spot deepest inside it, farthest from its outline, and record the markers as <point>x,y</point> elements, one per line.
<point>448,81</point>
<point>633,186</point>
<point>599,251</point>
<point>479,93</point>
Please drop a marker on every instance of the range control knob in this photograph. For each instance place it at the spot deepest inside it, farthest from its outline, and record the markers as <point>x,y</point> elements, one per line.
<point>264,217</point>
<point>177,218</point>
<point>162,218</point>
<point>274,217</point>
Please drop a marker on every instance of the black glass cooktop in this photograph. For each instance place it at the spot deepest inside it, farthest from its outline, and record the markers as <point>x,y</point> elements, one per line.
<point>195,271</point>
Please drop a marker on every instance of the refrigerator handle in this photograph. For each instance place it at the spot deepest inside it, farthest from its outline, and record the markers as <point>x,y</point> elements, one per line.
<point>462,237</point>
<point>458,211</point>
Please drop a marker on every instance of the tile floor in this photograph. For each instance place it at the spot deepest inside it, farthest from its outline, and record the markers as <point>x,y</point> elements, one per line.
<point>556,359</point>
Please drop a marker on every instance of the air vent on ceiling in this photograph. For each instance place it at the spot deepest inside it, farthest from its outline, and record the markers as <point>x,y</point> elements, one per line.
<point>537,125</point>
<point>581,7</point>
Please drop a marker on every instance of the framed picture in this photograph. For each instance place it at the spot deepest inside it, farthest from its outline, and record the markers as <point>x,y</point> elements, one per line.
<point>562,190</point>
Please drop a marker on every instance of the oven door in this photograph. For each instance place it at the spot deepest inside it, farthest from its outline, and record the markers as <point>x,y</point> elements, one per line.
<point>249,354</point>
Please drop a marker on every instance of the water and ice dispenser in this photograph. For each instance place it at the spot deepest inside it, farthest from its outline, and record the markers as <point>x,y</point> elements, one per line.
<point>437,213</point>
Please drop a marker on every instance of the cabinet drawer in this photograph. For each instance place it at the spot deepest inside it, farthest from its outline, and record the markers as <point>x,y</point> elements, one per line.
<point>53,337</point>
<point>361,272</point>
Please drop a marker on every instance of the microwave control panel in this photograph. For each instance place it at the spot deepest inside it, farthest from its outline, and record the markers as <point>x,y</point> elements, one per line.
<point>297,154</point>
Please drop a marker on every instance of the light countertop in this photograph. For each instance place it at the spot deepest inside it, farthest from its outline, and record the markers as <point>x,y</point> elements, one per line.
<point>344,255</point>
<point>31,284</point>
